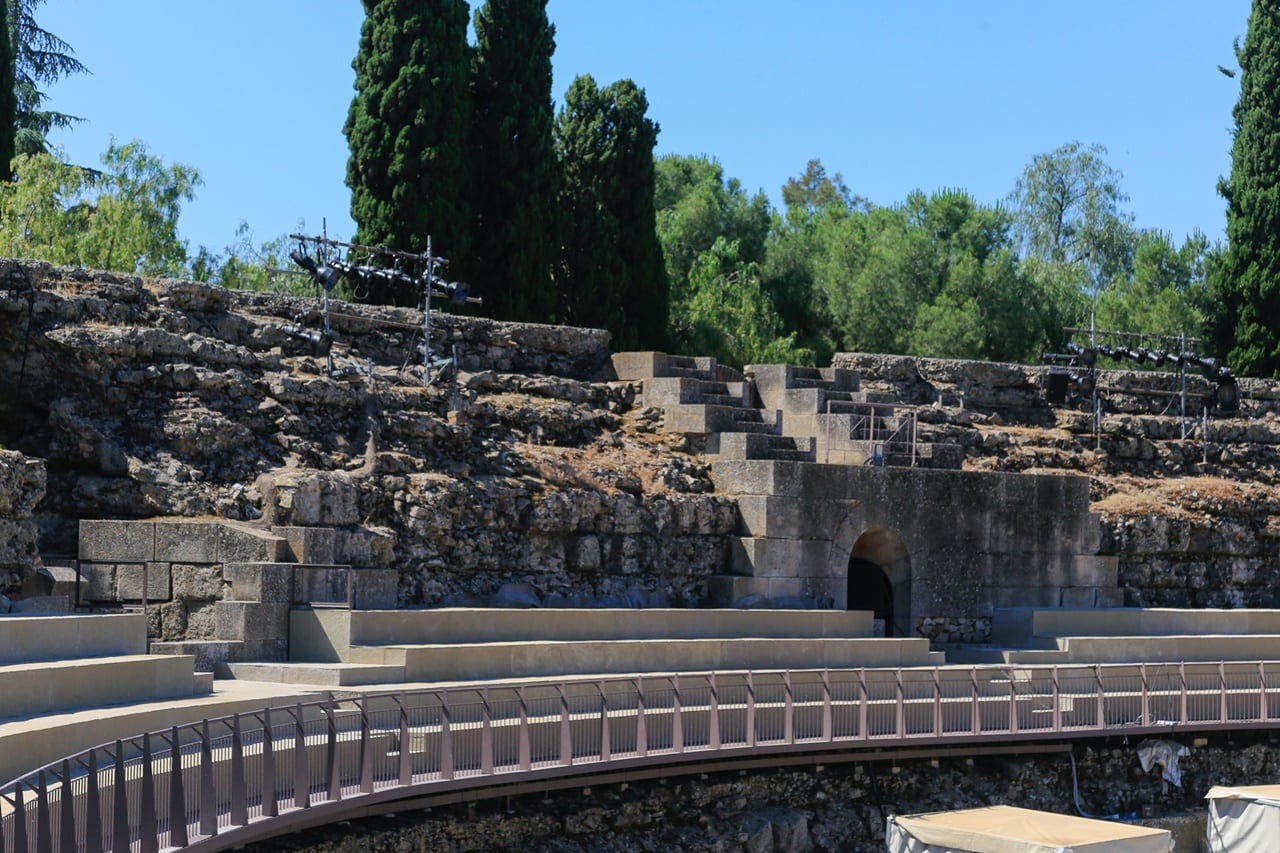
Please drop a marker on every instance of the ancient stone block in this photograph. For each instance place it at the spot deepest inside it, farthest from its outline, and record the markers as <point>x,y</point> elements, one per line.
<point>98,582</point>
<point>251,620</point>
<point>308,544</point>
<point>129,580</point>
<point>187,541</point>
<point>269,582</point>
<point>197,581</point>
<point>245,545</point>
<point>377,589</point>
<point>117,541</point>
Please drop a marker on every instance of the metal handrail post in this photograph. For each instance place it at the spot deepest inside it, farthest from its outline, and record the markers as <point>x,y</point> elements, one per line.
<point>677,720</point>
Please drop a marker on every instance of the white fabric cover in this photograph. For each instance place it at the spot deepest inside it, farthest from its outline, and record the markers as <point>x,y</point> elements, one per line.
<point>1008,829</point>
<point>1244,820</point>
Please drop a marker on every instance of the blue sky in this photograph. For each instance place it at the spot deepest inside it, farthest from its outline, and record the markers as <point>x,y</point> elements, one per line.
<point>896,96</point>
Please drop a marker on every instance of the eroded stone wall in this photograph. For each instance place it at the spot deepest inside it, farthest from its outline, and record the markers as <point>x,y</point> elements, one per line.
<point>178,399</point>
<point>22,484</point>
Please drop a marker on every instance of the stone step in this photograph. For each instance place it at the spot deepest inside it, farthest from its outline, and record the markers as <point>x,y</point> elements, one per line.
<point>30,742</point>
<point>748,445</point>
<point>451,662</point>
<point>1023,626</point>
<point>52,686</point>
<point>321,674</point>
<point>25,639</point>
<point>328,635</point>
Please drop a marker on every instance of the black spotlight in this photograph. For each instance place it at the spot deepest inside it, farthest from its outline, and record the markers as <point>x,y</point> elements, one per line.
<point>1226,397</point>
<point>1056,389</point>
<point>456,291</point>
<point>325,276</point>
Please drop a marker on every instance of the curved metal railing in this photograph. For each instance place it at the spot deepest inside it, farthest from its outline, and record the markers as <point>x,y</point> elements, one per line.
<point>212,784</point>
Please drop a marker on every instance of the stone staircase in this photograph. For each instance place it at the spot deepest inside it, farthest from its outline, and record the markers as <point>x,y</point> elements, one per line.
<point>1126,635</point>
<point>350,648</point>
<point>846,424</point>
<point>220,591</point>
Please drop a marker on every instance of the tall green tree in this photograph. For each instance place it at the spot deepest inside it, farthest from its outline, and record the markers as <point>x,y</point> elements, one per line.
<point>1168,293</point>
<point>1067,212</point>
<point>724,312</point>
<point>407,130</point>
<point>696,206</point>
<point>40,58</point>
<point>8,97</point>
<point>935,276</point>
<point>513,156</point>
<point>1247,327</point>
<point>121,217</point>
<point>612,274</point>
<point>817,205</point>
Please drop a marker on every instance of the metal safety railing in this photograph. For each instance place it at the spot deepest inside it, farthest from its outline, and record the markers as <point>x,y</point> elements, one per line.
<point>204,785</point>
<point>886,427</point>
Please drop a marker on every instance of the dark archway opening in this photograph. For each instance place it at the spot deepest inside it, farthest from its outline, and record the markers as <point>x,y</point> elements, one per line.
<point>870,589</point>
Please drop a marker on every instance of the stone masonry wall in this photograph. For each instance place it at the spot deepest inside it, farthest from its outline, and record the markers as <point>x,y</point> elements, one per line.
<point>152,399</point>
<point>22,485</point>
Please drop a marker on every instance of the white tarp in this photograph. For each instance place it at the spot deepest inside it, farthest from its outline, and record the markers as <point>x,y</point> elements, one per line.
<point>1008,829</point>
<point>1244,820</point>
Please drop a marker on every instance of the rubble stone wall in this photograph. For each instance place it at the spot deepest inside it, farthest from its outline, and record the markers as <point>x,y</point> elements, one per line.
<point>22,485</point>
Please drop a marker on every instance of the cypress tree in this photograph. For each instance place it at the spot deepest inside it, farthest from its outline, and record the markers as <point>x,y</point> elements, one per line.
<point>513,156</point>
<point>8,96</point>
<point>1247,327</point>
<point>613,276</point>
<point>407,130</point>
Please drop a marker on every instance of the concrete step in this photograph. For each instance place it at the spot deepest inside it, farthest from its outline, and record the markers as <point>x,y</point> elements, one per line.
<point>451,662</point>
<point>1019,626</point>
<point>52,686</point>
<point>30,742</point>
<point>45,638</point>
<point>324,674</point>
<point>334,635</point>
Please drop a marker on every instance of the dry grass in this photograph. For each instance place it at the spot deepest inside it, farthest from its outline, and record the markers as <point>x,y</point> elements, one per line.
<point>1184,497</point>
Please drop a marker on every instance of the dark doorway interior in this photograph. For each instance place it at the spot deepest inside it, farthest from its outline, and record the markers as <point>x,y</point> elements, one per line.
<point>869,589</point>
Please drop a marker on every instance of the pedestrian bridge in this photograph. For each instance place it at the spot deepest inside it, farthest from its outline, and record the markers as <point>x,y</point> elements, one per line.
<point>225,782</point>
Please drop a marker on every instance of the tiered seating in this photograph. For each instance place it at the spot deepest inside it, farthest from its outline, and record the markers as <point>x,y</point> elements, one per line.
<point>1128,635</point>
<point>456,644</point>
<point>71,682</point>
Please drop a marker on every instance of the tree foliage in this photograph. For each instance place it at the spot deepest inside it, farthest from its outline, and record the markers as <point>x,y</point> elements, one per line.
<point>1249,287</point>
<point>513,155</point>
<point>8,97</point>
<point>724,312</point>
<point>40,59</point>
<point>1067,212</point>
<point>408,130</point>
<point>612,274</point>
<point>122,217</point>
<point>1168,293</point>
<point>696,206</point>
<point>935,276</point>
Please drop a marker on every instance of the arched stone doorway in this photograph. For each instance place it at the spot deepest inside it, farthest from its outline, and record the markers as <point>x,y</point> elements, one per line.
<point>880,579</point>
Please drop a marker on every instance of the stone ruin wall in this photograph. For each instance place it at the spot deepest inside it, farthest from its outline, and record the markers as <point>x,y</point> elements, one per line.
<point>173,398</point>
<point>1213,550</point>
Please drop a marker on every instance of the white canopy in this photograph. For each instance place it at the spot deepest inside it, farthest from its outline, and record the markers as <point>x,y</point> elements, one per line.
<point>1244,820</point>
<point>1008,829</point>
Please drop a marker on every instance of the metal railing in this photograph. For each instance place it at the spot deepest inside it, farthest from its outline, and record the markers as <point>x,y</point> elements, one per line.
<point>211,785</point>
<point>896,422</point>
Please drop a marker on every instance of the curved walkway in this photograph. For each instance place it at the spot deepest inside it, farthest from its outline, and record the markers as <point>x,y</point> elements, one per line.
<point>228,781</point>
